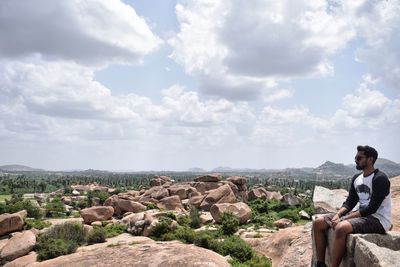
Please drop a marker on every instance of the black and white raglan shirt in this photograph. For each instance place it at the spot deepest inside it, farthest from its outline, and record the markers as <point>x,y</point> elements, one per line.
<point>373,194</point>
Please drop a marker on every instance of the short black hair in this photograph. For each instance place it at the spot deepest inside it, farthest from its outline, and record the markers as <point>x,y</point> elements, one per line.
<point>369,152</point>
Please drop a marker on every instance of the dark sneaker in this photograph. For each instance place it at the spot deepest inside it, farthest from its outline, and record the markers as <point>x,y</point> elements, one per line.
<point>320,264</point>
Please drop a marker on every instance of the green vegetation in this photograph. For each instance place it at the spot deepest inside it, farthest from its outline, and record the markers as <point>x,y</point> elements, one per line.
<point>229,223</point>
<point>112,230</point>
<point>36,223</point>
<point>151,206</point>
<point>163,227</point>
<point>60,240</point>
<point>3,198</point>
<point>194,218</point>
<point>17,203</point>
<point>101,195</point>
<point>96,235</point>
<point>55,208</point>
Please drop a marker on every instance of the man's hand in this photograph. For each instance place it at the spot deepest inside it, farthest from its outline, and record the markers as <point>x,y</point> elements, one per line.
<point>335,220</point>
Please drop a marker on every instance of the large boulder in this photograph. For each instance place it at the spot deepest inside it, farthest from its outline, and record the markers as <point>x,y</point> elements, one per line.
<point>18,245</point>
<point>395,192</point>
<point>160,180</point>
<point>291,200</point>
<point>223,194</point>
<point>11,222</point>
<point>183,191</point>
<point>327,201</point>
<point>159,254</point>
<point>123,205</point>
<point>258,193</point>
<point>215,177</point>
<point>171,203</point>
<point>240,210</point>
<point>97,213</point>
<point>237,180</point>
<point>286,248</point>
<point>23,261</point>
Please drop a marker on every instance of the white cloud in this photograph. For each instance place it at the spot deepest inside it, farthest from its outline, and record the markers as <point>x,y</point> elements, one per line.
<point>377,23</point>
<point>87,32</point>
<point>252,43</point>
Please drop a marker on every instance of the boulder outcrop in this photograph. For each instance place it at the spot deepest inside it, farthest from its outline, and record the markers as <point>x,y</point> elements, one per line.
<point>240,210</point>
<point>122,205</point>
<point>223,194</point>
<point>18,245</point>
<point>138,255</point>
<point>97,213</point>
<point>11,222</point>
<point>326,200</point>
<point>171,203</point>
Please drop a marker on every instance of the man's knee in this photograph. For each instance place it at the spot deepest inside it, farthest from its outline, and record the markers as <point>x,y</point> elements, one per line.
<point>342,229</point>
<point>319,224</point>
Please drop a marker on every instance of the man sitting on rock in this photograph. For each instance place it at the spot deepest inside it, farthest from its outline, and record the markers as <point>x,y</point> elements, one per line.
<point>371,189</point>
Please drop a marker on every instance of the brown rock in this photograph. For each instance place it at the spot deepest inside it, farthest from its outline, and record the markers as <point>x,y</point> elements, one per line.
<point>10,223</point>
<point>183,191</point>
<point>138,255</point>
<point>215,177</point>
<point>171,203</point>
<point>196,200</point>
<point>395,192</point>
<point>23,261</point>
<point>97,213</point>
<point>287,247</point>
<point>256,193</point>
<point>291,200</point>
<point>122,205</point>
<point>160,180</point>
<point>237,180</point>
<point>223,194</point>
<point>206,218</point>
<point>18,245</point>
<point>240,210</point>
<point>283,223</point>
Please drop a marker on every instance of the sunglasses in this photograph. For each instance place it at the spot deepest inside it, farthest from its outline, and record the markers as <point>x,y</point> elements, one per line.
<point>357,158</point>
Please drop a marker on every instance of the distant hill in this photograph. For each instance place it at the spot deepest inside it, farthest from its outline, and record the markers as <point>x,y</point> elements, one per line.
<point>389,167</point>
<point>331,168</point>
<point>196,169</point>
<point>19,168</point>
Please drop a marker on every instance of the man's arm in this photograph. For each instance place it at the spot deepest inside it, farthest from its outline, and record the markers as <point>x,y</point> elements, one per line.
<point>352,199</point>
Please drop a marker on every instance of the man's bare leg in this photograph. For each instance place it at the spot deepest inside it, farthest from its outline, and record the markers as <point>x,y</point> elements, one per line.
<point>320,227</point>
<point>342,229</point>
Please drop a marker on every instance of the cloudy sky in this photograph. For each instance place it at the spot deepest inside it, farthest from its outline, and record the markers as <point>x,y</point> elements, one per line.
<point>175,84</point>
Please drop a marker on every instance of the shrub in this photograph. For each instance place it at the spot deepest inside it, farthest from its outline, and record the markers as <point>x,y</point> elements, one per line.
<point>162,227</point>
<point>183,220</point>
<point>68,231</point>
<point>151,206</point>
<point>265,219</point>
<point>259,206</point>
<point>275,205</point>
<point>255,261</point>
<point>194,218</point>
<point>229,223</point>
<point>237,248</point>
<point>36,223</point>
<point>55,208</point>
<point>292,214</point>
<point>185,234</point>
<point>204,239</point>
<point>99,194</point>
<point>97,235</point>
<point>171,215</point>
<point>81,204</point>
<point>112,230</point>
<point>48,247</point>
<point>17,203</point>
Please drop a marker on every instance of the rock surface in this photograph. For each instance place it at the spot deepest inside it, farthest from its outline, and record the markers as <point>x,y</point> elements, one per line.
<point>10,223</point>
<point>326,200</point>
<point>141,255</point>
<point>171,203</point>
<point>240,210</point>
<point>18,245</point>
<point>283,223</point>
<point>286,248</point>
<point>395,191</point>
<point>97,213</point>
<point>223,194</point>
<point>23,261</point>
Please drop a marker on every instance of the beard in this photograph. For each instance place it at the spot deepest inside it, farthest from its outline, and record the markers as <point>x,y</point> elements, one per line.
<point>359,167</point>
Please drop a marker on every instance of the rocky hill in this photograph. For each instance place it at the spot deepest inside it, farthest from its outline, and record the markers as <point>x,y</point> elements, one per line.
<point>19,168</point>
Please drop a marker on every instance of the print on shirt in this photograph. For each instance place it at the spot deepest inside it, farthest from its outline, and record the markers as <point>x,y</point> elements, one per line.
<point>364,193</point>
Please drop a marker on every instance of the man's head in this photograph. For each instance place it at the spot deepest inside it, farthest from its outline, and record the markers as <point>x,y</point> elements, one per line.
<point>366,157</point>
